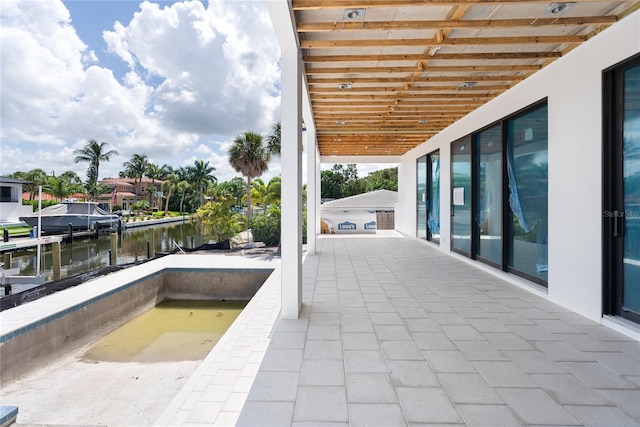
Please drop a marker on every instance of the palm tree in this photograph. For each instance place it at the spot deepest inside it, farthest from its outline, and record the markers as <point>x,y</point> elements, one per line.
<point>201,174</point>
<point>37,177</point>
<point>182,187</point>
<point>93,153</point>
<point>250,157</point>
<point>273,191</point>
<point>71,177</point>
<point>259,193</point>
<point>136,168</point>
<point>63,186</point>
<point>168,185</point>
<point>92,190</point>
<point>273,140</point>
<point>154,172</point>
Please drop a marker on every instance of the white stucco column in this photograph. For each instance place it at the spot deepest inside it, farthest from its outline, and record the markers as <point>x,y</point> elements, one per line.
<point>318,194</point>
<point>291,158</point>
<point>312,178</point>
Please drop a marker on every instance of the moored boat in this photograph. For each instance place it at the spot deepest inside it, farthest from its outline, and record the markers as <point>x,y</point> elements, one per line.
<point>80,215</point>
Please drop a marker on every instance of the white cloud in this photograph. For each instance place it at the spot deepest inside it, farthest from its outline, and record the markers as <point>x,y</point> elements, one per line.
<point>217,66</point>
<point>197,76</point>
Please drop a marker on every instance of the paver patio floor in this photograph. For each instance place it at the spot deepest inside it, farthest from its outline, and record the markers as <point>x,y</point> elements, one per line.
<point>393,332</point>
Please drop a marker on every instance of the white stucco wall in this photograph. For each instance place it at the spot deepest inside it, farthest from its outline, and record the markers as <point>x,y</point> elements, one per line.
<point>362,221</point>
<point>13,210</point>
<point>573,87</point>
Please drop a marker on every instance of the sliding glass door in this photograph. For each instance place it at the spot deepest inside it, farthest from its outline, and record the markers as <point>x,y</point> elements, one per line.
<point>621,216</point>
<point>527,172</point>
<point>461,196</point>
<point>421,197</point>
<point>500,194</point>
<point>433,215</point>
<point>488,191</point>
<point>428,197</point>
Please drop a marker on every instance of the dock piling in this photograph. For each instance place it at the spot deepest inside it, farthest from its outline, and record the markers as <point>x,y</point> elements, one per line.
<point>5,235</point>
<point>57,260</point>
<point>8,260</point>
<point>70,233</point>
<point>113,253</point>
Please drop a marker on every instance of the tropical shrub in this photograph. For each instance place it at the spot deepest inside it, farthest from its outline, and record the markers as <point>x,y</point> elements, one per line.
<point>266,228</point>
<point>216,219</point>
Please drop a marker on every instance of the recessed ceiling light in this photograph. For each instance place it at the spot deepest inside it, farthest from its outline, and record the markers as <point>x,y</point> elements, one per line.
<point>559,7</point>
<point>467,85</point>
<point>345,86</point>
<point>353,14</point>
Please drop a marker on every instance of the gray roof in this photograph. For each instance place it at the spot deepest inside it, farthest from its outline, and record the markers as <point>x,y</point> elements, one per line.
<point>373,200</point>
<point>7,180</point>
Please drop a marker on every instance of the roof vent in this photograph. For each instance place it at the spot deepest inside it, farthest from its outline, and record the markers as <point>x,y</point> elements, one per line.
<point>559,7</point>
<point>353,14</point>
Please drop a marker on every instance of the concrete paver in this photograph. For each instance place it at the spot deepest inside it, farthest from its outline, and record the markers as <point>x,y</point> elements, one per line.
<point>399,333</point>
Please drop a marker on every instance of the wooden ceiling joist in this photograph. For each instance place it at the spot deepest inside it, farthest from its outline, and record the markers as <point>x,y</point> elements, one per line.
<point>312,27</point>
<point>417,69</point>
<point>355,4</point>
<point>462,41</point>
<point>480,56</point>
<point>422,79</point>
<point>412,89</point>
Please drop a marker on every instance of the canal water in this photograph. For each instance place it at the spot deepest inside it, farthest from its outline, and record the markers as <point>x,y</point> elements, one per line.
<point>87,254</point>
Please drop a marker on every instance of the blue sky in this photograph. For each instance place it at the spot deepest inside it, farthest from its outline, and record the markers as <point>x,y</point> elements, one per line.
<point>175,80</point>
<point>91,18</point>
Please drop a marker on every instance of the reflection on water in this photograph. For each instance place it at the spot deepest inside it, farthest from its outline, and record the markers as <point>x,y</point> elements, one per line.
<point>89,254</point>
<point>171,331</point>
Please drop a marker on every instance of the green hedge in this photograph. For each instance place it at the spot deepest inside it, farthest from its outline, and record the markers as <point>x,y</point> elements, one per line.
<point>266,228</point>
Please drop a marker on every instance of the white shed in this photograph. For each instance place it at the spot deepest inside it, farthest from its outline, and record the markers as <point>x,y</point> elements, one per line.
<point>362,213</point>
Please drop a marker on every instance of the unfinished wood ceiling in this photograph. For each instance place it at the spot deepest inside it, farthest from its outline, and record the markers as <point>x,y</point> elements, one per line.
<point>386,75</point>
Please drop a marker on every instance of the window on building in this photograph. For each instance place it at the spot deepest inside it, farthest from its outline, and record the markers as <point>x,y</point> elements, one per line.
<point>5,194</point>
